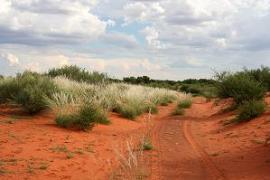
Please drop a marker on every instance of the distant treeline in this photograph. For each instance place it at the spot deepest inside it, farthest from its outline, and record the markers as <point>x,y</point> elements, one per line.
<point>194,86</point>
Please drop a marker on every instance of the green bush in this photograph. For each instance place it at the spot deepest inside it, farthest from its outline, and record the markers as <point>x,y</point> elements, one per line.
<point>78,74</point>
<point>28,89</point>
<point>84,119</point>
<point>250,110</point>
<point>240,86</point>
<point>178,111</point>
<point>261,75</point>
<point>186,103</point>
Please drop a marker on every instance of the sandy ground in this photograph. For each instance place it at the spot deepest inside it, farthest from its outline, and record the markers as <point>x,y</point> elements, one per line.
<point>196,146</point>
<point>35,148</point>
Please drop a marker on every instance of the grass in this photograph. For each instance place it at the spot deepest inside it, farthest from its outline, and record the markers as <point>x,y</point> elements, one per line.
<point>182,104</point>
<point>178,111</point>
<point>28,90</point>
<point>84,119</point>
<point>185,103</point>
<point>81,99</point>
<point>147,144</point>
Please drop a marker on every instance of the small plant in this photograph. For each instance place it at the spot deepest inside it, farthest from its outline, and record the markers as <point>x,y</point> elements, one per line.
<point>178,111</point>
<point>250,110</point>
<point>147,145</point>
<point>84,119</point>
<point>185,103</point>
<point>70,155</point>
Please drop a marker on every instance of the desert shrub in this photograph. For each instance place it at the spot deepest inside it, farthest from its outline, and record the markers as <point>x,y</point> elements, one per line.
<point>240,86</point>
<point>261,75</point>
<point>29,90</point>
<point>250,110</point>
<point>185,103</point>
<point>8,88</point>
<point>84,119</point>
<point>78,74</point>
<point>178,111</point>
<point>200,89</point>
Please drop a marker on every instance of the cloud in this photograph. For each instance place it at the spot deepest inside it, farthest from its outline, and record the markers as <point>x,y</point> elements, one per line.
<point>152,37</point>
<point>10,58</point>
<point>174,38</point>
<point>120,40</point>
<point>48,21</point>
<point>139,11</point>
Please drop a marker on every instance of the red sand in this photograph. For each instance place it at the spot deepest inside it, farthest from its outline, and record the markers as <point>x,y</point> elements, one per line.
<point>35,148</point>
<point>194,146</point>
<point>198,145</point>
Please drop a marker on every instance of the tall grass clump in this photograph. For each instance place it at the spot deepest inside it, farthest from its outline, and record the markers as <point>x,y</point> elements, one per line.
<point>185,103</point>
<point>84,119</point>
<point>78,74</point>
<point>28,89</point>
<point>182,104</point>
<point>136,100</point>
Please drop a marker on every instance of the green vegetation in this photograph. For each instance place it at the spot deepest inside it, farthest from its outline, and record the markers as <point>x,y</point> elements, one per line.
<point>185,103</point>
<point>250,110</point>
<point>247,88</point>
<point>178,111</point>
<point>84,119</point>
<point>77,74</point>
<point>29,90</point>
<point>202,87</point>
<point>147,145</point>
<point>261,75</point>
<point>240,86</point>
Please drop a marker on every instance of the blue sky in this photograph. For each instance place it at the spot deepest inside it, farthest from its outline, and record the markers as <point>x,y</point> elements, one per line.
<point>165,39</point>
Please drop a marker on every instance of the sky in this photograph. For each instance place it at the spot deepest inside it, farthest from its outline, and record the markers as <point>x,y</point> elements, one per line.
<point>163,39</point>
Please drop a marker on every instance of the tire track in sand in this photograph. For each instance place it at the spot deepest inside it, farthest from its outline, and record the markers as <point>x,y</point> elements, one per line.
<point>177,155</point>
<point>212,169</point>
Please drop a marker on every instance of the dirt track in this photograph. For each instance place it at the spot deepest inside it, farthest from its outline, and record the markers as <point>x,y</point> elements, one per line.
<point>184,147</point>
<point>179,156</point>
